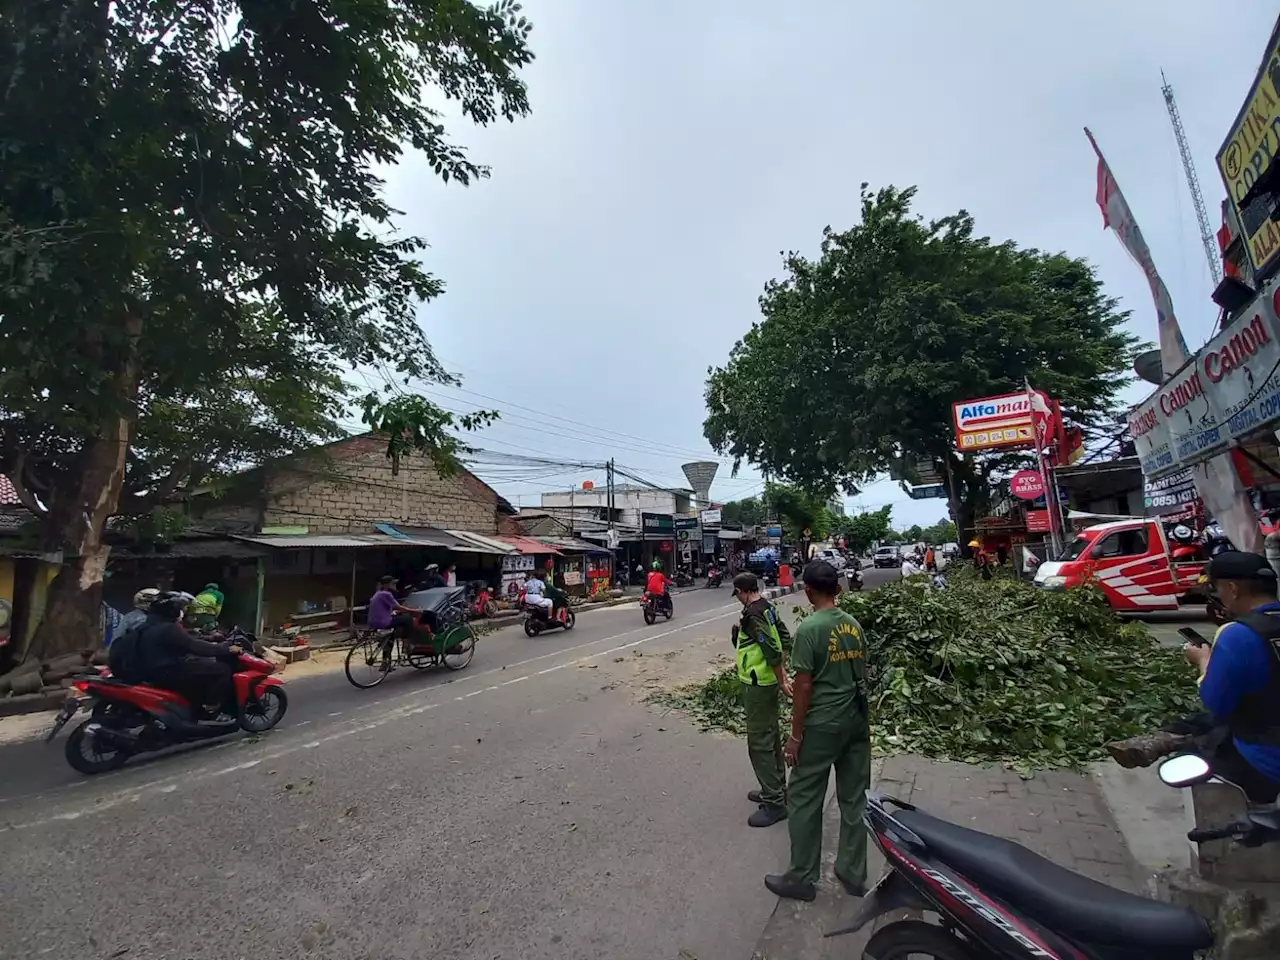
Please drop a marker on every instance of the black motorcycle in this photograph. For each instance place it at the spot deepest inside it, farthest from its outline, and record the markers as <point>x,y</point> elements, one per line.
<point>995,898</point>
<point>652,606</point>
<point>539,619</point>
<point>683,579</point>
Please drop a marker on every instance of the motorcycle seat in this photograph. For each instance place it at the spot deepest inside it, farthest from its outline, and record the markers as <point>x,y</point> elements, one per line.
<point>1062,901</point>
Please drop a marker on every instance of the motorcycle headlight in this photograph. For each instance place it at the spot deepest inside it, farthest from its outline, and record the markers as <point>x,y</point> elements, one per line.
<point>1054,583</point>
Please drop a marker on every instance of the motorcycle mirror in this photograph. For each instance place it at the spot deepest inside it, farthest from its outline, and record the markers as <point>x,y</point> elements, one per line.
<point>1185,770</point>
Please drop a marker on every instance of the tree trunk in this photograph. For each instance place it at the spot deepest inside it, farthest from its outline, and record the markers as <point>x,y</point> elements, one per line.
<point>77,519</point>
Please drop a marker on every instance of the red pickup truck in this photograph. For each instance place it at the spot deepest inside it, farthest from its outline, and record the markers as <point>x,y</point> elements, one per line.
<point>1134,564</point>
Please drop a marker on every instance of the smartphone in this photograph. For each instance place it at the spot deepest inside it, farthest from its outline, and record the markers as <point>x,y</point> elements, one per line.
<point>1193,636</point>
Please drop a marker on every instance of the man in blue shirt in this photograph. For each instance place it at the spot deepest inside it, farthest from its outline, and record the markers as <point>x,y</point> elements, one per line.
<point>1240,674</point>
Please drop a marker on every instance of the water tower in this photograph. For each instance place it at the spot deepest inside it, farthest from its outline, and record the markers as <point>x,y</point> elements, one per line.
<point>700,475</point>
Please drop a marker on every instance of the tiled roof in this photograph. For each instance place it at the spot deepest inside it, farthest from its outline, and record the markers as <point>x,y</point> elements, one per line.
<point>8,495</point>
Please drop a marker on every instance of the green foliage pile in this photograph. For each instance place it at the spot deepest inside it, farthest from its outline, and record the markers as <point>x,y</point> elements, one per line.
<point>995,671</point>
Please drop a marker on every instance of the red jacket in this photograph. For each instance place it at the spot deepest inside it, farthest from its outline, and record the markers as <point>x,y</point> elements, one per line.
<point>657,582</point>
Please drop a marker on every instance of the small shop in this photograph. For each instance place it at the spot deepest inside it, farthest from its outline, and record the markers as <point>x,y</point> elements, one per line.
<point>583,569</point>
<point>531,554</point>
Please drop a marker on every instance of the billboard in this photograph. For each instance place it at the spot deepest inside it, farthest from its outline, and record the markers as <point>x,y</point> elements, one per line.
<point>1229,390</point>
<point>1248,154</point>
<point>993,422</point>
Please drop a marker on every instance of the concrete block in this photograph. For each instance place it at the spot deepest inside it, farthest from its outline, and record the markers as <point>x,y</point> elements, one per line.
<point>1245,918</point>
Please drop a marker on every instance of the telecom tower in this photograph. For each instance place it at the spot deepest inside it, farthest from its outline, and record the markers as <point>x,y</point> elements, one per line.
<point>1193,183</point>
<point>700,474</point>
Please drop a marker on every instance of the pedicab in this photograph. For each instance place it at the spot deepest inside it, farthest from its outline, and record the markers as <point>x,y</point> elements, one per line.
<point>440,635</point>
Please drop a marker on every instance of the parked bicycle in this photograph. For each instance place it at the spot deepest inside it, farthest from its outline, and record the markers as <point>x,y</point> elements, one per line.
<point>440,635</point>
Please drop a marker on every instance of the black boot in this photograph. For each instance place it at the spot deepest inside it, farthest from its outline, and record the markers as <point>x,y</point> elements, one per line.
<point>754,796</point>
<point>767,815</point>
<point>785,885</point>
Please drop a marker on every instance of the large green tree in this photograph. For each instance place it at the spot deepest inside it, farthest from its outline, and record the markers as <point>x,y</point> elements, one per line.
<point>195,245</point>
<point>862,351</point>
<point>861,530</point>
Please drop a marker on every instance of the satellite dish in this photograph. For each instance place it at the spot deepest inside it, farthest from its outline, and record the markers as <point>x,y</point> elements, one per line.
<point>1149,368</point>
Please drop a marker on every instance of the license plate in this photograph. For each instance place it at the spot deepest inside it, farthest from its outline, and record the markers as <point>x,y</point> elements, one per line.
<point>68,711</point>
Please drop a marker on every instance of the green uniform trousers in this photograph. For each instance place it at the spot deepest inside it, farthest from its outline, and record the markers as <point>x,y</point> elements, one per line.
<point>764,744</point>
<point>847,747</point>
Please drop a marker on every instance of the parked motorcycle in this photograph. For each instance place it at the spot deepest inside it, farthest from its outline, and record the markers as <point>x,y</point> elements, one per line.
<point>537,619</point>
<point>653,605</point>
<point>480,602</point>
<point>995,898</point>
<point>126,719</point>
<point>683,579</point>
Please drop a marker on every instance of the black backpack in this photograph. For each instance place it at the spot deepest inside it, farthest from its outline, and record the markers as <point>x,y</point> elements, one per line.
<point>123,656</point>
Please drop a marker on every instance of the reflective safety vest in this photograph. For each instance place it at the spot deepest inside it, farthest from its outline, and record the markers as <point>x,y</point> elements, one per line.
<point>753,668</point>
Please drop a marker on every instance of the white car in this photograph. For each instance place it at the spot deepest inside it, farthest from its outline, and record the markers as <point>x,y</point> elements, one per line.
<point>833,557</point>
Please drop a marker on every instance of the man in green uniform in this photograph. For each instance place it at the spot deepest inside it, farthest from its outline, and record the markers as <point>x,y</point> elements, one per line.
<point>828,728</point>
<point>762,669</point>
<point>205,609</point>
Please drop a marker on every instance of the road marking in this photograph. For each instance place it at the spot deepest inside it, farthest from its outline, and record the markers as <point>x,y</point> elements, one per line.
<point>170,784</point>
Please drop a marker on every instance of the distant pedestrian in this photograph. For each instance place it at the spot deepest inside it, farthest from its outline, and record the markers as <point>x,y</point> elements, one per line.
<point>931,560</point>
<point>758,640</point>
<point>829,728</point>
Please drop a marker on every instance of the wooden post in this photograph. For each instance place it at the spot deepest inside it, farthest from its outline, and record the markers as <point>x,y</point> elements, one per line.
<point>261,580</point>
<point>351,604</point>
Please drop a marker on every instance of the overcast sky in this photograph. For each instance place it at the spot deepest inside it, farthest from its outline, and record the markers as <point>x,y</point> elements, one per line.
<point>676,148</point>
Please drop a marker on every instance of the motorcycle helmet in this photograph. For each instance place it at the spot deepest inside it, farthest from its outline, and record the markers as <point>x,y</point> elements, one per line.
<point>1182,532</point>
<point>170,604</point>
<point>656,565</point>
<point>143,599</point>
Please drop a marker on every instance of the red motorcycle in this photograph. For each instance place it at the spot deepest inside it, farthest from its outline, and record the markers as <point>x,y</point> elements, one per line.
<point>131,718</point>
<point>480,601</point>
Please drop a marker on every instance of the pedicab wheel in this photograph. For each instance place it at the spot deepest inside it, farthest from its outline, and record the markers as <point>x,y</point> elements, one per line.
<point>365,665</point>
<point>531,627</point>
<point>650,617</point>
<point>569,619</point>
<point>457,655</point>
<point>914,938</point>
<point>88,756</point>
<point>265,711</point>
<point>490,609</point>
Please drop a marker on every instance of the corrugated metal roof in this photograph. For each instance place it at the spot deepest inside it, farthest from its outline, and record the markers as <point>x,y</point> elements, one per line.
<point>339,541</point>
<point>485,544</point>
<point>528,545</point>
<point>574,545</point>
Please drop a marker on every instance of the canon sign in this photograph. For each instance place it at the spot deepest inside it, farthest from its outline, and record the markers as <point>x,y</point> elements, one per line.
<point>1230,390</point>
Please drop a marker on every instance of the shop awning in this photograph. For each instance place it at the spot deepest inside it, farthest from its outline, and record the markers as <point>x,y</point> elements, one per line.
<point>482,543</point>
<point>339,541</point>
<point>574,545</point>
<point>528,546</point>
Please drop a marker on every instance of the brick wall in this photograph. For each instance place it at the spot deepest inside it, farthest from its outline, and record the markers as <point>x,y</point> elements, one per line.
<point>355,489</point>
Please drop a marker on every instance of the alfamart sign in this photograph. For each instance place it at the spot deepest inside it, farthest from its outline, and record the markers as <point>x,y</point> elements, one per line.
<point>1229,390</point>
<point>992,422</point>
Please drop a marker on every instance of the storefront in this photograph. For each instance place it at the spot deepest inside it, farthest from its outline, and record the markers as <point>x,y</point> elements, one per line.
<point>531,554</point>
<point>658,531</point>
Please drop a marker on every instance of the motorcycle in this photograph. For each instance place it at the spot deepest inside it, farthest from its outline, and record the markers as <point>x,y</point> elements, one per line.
<point>537,619</point>
<point>652,605</point>
<point>126,719</point>
<point>480,602</point>
<point>714,577</point>
<point>683,579</point>
<point>854,576</point>
<point>995,898</point>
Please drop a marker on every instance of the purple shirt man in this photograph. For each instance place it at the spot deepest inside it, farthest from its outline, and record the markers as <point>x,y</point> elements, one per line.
<point>382,607</point>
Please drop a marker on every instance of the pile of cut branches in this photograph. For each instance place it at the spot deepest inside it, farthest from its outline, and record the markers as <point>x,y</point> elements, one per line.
<point>995,671</point>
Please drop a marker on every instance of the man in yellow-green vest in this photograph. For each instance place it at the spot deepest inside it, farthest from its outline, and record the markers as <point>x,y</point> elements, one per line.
<point>762,669</point>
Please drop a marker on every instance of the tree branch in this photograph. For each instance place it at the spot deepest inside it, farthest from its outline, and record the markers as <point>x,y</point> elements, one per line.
<point>17,476</point>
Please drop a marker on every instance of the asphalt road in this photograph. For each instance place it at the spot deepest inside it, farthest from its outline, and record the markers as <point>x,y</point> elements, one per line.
<point>534,805</point>
<point>530,806</point>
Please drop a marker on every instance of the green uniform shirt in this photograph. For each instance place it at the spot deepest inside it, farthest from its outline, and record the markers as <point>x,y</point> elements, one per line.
<point>829,645</point>
<point>207,602</point>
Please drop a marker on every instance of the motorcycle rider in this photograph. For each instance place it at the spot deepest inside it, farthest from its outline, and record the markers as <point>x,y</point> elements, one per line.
<point>533,593</point>
<point>657,584</point>
<point>167,656</point>
<point>136,617</point>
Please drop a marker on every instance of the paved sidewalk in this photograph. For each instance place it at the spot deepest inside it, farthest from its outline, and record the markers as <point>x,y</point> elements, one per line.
<point>1059,815</point>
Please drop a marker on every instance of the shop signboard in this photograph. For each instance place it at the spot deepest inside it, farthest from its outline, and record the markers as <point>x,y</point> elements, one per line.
<point>687,530</point>
<point>928,491</point>
<point>711,518</point>
<point>773,530</point>
<point>994,422</point>
<point>1174,495</point>
<point>1228,390</point>
<point>1026,485</point>
<point>708,542</point>
<point>515,562</point>
<point>1037,521</point>
<point>657,526</point>
<point>1248,154</point>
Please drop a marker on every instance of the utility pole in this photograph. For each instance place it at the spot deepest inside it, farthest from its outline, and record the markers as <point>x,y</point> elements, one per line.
<point>1193,182</point>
